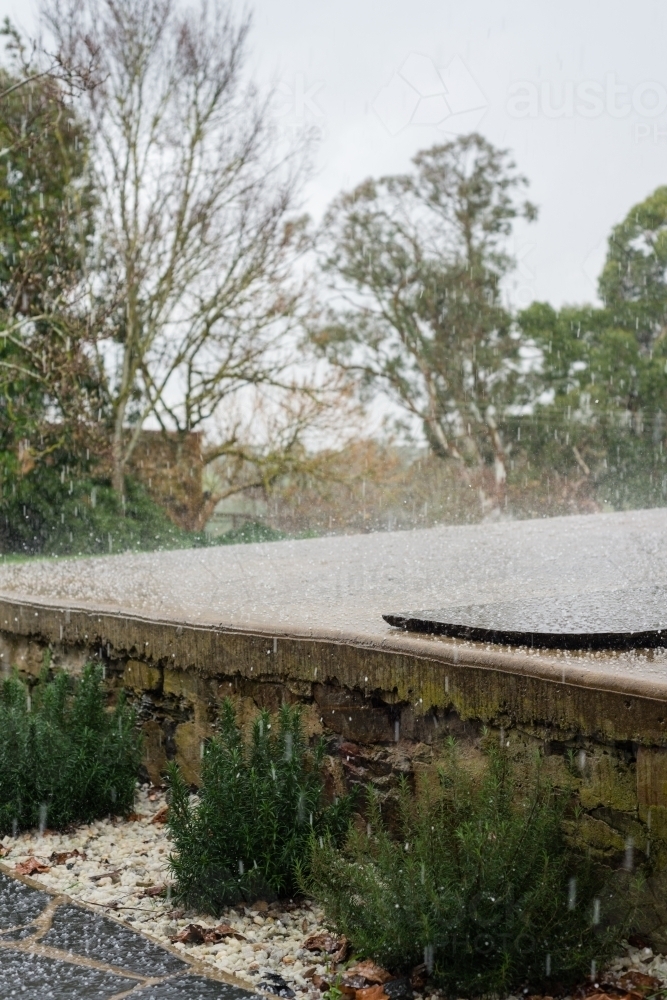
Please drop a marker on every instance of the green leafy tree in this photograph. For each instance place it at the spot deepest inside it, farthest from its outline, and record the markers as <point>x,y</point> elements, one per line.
<point>598,412</point>
<point>415,264</point>
<point>633,283</point>
<point>49,402</point>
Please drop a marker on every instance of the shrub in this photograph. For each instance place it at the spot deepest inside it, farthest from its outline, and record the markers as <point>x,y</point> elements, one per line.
<point>63,757</point>
<point>478,883</point>
<point>259,804</point>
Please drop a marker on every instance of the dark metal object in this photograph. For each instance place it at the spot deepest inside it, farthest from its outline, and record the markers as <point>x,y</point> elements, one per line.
<point>611,619</point>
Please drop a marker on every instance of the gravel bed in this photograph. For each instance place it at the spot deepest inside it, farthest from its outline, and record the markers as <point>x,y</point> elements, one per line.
<point>125,860</point>
<point>121,862</point>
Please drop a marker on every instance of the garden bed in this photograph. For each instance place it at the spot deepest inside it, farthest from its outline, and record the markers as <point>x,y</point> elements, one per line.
<point>121,867</point>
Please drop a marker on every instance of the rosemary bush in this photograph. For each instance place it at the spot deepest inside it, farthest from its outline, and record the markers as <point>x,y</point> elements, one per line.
<point>477,883</point>
<point>63,757</point>
<point>259,804</point>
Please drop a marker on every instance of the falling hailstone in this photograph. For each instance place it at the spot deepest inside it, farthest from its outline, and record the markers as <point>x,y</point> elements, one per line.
<point>547,965</point>
<point>596,911</point>
<point>397,731</point>
<point>240,868</point>
<point>629,861</point>
<point>42,818</point>
<point>572,893</point>
<point>15,827</point>
<point>428,958</point>
<point>288,746</point>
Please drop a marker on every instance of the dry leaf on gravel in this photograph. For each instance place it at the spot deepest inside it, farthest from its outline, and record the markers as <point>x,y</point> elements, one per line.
<point>3,851</point>
<point>639,982</point>
<point>320,983</point>
<point>161,815</point>
<point>371,972</point>
<point>134,817</point>
<point>196,934</point>
<point>62,857</point>
<point>372,993</point>
<point>321,942</point>
<point>153,890</point>
<point>31,867</point>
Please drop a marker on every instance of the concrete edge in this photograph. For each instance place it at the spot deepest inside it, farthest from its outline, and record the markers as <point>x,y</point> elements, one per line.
<point>556,668</point>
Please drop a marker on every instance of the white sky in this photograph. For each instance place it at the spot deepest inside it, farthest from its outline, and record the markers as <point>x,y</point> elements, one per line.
<point>336,65</point>
<point>585,171</point>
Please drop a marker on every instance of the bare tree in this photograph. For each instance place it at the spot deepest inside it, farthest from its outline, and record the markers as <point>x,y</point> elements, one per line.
<point>195,239</point>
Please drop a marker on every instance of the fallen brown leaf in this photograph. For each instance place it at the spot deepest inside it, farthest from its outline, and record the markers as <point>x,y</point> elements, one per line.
<point>62,857</point>
<point>3,851</point>
<point>320,983</point>
<point>343,948</point>
<point>161,815</point>
<point>418,977</point>
<point>640,982</point>
<point>321,942</point>
<point>370,971</point>
<point>372,993</point>
<point>153,890</point>
<point>31,867</point>
<point>349,985</point>
<point>134,817</point>
<point>196,934</point>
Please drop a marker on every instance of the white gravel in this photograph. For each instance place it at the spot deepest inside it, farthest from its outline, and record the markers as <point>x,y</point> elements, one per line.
<point>135,855</point>
<point>137,852</point>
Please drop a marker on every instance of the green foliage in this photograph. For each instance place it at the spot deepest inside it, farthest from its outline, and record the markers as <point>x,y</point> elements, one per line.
<point>632,284</point>
<point>476,882</point>
<point>63,757</point>
<point>604,416</point>
<point>253,531</point>
<point>52,512</point>
<point>417,263</point>
<point>260,803</point>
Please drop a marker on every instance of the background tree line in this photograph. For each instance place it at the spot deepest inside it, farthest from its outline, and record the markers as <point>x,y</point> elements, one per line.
<point>156,271</point>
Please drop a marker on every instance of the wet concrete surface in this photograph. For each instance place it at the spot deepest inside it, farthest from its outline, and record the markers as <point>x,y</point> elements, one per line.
<point>51,948</point>
<point>336,589</point>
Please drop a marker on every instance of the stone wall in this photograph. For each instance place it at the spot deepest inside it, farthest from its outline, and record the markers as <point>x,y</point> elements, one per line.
<point>383,714</point>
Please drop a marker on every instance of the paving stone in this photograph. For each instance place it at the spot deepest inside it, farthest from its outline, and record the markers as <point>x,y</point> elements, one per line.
<point>606,619</point>
<point>19,904</point>
<point>92,935</point>
<point>193,987</point>
<point>35,977</point>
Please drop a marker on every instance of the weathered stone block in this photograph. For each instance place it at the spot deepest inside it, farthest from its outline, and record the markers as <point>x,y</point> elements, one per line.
<point>189,740</point>
<point>155,757</point>
<point>608,781</point>
<point>189,686</point>
<point>142,676</point>
<point>651,777</point>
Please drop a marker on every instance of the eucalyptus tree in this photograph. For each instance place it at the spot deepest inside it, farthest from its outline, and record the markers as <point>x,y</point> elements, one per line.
<point>633,283</point>
<point>196,228</point>
<point>415,264</point>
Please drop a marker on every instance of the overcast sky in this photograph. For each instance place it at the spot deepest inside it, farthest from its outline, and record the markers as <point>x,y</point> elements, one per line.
<point>355,67</point>
<point>384,78</point>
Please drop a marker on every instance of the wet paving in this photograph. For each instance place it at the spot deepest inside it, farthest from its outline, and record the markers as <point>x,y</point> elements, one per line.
<point>628,618</point>
<point>337,589</point>
<point>53,949</point>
